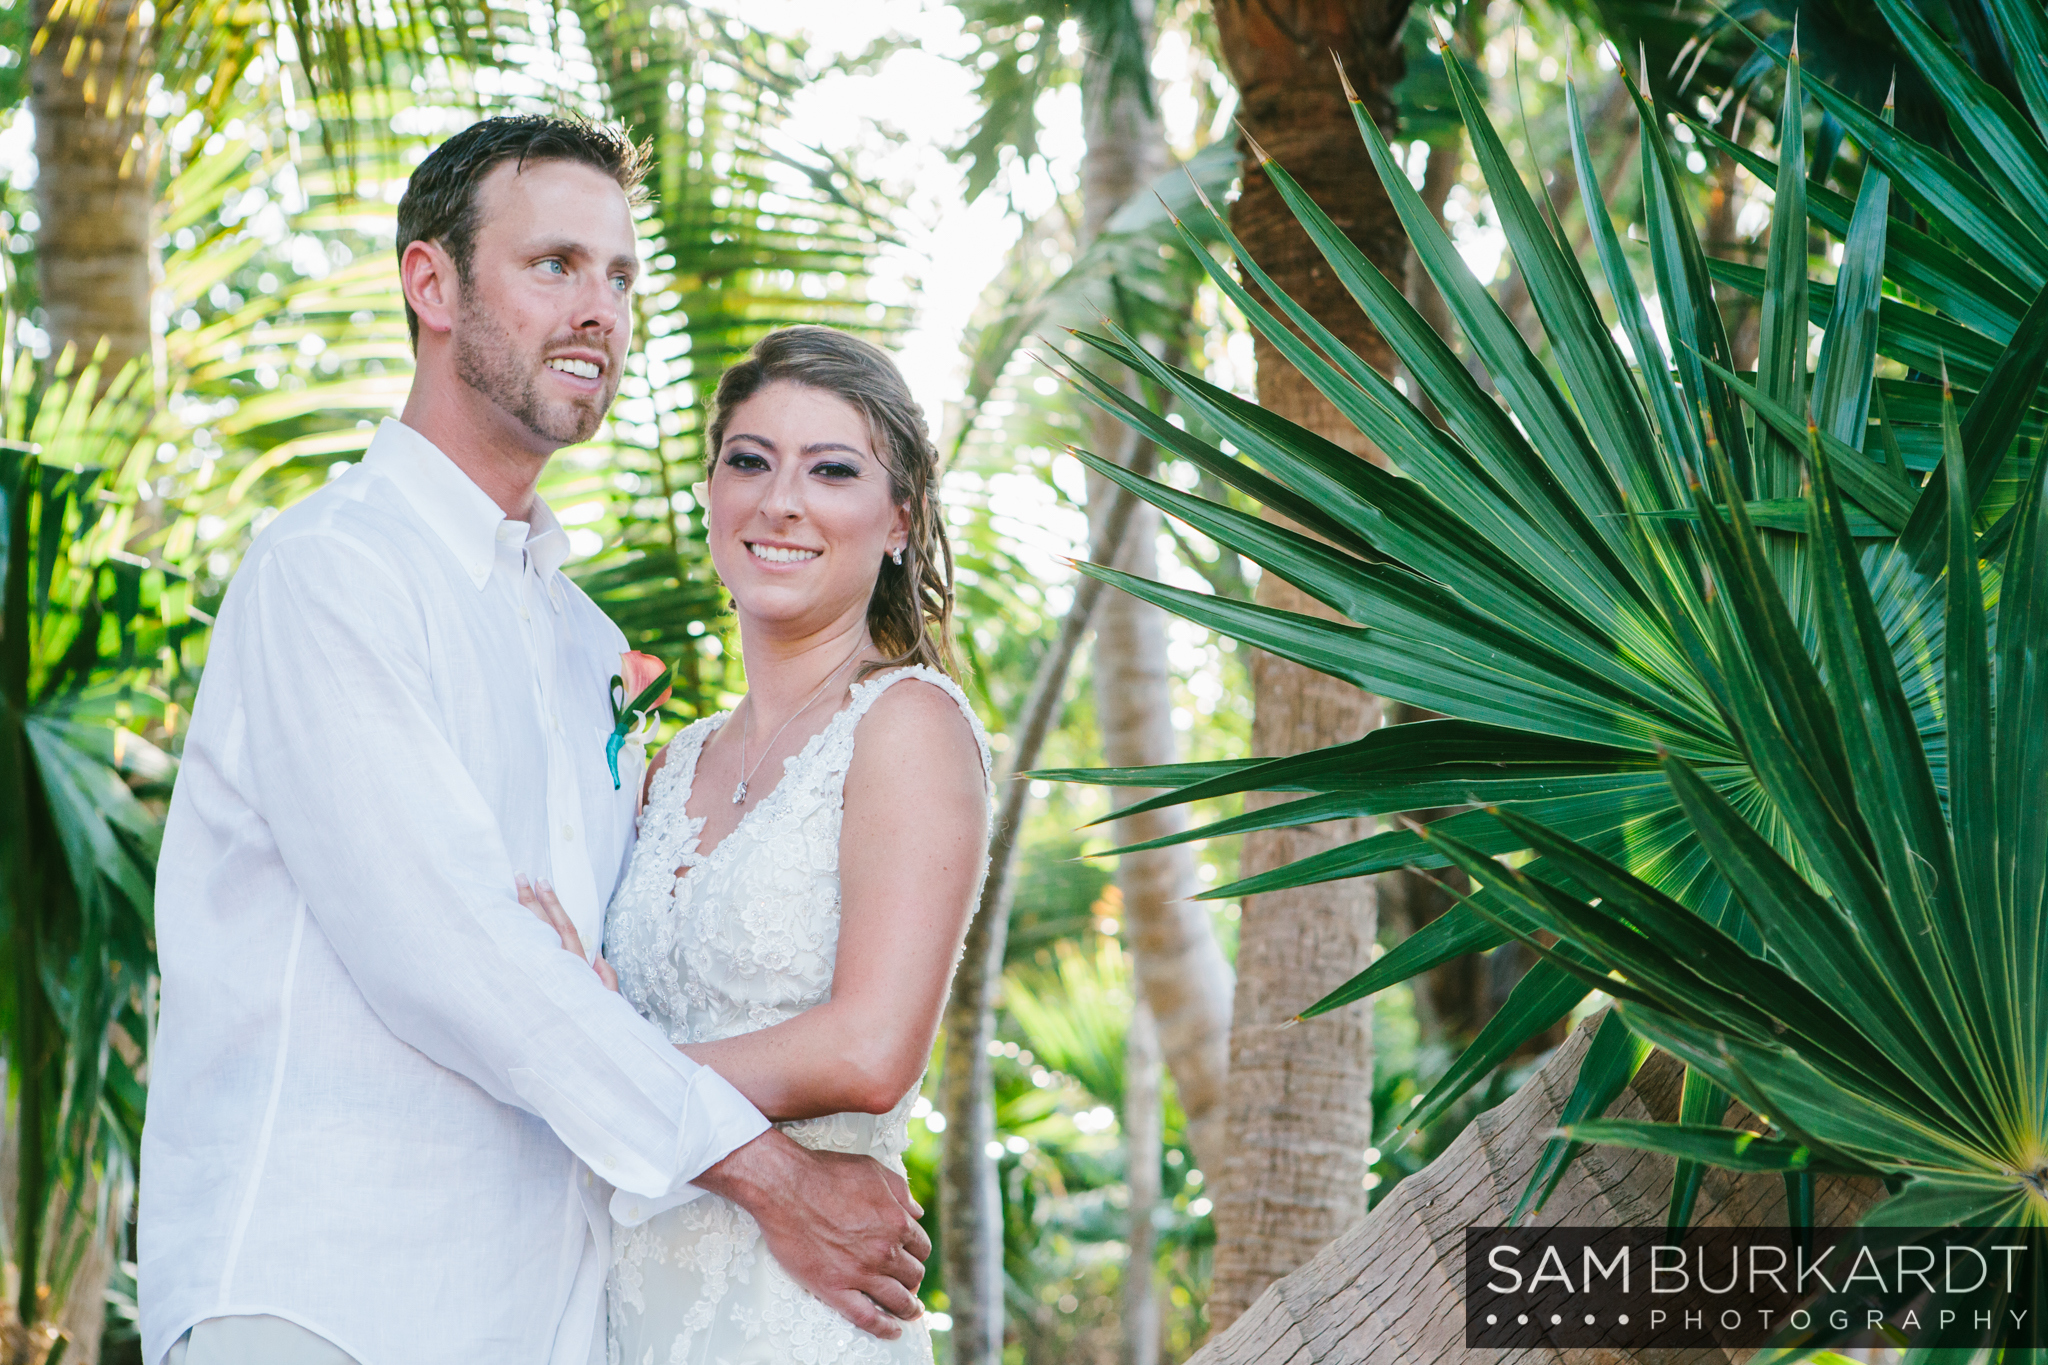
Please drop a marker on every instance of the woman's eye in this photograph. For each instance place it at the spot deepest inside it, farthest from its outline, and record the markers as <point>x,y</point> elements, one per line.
<point>745,459</point>
<point>836,470</point>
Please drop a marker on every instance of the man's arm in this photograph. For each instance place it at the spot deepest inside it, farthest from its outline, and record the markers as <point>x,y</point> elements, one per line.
<point>842,1226</point>
<point>403,867</point>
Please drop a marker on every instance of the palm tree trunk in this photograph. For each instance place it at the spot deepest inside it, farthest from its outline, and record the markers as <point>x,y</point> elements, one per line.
<point>970,1214</point>
<point>95,182</point>
<point>1182,981</point>
<point>1181,973</point>
<point>1299,1108</point>
<point>1144,1125</point>
<point>1392,1290</point>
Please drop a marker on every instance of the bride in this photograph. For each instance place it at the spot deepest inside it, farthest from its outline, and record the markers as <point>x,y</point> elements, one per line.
<point>806,864</point>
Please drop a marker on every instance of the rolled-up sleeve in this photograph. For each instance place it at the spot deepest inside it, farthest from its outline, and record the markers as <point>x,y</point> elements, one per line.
<point>417,898</point>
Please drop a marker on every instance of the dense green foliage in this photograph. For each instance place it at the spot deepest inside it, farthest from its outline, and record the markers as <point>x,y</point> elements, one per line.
<point>1744,691</point>
<point>83,651</point>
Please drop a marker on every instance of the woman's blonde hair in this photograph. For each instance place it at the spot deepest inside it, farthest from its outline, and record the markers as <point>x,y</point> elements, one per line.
<point>910,615</point>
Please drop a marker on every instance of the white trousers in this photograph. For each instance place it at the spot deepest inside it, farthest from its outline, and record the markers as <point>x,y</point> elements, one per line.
<point>254,1341</point>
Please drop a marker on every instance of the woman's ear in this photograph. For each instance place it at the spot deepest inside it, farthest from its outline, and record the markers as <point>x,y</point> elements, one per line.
<point>899,529</point>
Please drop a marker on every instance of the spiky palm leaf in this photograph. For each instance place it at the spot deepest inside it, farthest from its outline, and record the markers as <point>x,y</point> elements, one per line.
<point>1612,585</point>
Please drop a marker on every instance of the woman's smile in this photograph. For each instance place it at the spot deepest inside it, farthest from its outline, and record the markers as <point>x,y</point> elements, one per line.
<point>780,554</point>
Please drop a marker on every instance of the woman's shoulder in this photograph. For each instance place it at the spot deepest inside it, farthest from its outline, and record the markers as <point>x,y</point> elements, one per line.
<point>921,714</point>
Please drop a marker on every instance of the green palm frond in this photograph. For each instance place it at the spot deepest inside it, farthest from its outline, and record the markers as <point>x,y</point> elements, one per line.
<point>288,340</point>
<point>80,640</point>
<point>1021,57</point>
<point>1724,656</point>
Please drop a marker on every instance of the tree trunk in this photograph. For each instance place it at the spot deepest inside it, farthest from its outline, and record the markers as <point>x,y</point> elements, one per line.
<point>1299,1109</point>
<point>1181,973</point>
<point>1392,1290</point>
<point>1144,1144</point>
<point>970,1214</point>
<point>95,183</point>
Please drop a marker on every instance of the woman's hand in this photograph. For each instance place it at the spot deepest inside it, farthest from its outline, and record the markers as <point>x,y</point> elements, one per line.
<point>539,897</point>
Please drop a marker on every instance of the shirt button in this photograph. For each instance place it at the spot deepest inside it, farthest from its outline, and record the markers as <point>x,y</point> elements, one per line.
<point>609,1163</point>
<point>569,833</point>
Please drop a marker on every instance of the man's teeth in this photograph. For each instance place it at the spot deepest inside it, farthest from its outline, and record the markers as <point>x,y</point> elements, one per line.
<point>582,369</point>
<point>775,554</point>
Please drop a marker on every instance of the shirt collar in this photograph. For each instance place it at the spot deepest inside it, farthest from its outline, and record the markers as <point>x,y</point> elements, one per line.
<point>462,514</point>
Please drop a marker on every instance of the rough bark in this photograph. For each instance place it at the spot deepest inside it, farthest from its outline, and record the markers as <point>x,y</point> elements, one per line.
<point>95,183</point>
<point>1392,1290</point>
<point>1299,1100</point>
<point>1144,1124</point>
<point>1181,973</point>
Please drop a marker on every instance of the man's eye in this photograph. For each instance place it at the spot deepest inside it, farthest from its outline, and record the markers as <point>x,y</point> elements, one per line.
<point>621,283</point>
<point>554,266</point>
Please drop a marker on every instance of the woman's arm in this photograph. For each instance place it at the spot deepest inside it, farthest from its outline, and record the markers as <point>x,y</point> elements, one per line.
<point>911,847</point>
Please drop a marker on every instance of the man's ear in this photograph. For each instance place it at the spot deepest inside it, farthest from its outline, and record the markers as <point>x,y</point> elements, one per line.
<point>427,274</point>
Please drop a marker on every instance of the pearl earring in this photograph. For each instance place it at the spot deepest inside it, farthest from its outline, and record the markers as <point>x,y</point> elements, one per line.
<point>896,555</point>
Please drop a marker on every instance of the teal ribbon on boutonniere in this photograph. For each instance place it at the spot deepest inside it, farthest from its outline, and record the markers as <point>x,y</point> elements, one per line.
<point>644,679</point>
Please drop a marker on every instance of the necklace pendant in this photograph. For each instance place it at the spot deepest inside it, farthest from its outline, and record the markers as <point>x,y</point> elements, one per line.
<point>739,793</point>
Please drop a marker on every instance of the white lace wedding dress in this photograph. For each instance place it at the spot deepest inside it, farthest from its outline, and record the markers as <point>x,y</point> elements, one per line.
<point>746,939</point>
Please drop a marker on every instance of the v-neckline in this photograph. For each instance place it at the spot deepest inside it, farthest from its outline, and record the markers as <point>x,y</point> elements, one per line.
<point>688,781</point>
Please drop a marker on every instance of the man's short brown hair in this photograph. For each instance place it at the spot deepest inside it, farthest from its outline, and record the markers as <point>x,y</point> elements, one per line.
<point>440,199</point>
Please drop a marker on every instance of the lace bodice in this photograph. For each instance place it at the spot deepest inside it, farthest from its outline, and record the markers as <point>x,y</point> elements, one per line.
<point>745,938</point>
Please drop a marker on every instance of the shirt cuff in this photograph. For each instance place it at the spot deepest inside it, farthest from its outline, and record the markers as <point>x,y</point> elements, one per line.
<point>717,1121</point>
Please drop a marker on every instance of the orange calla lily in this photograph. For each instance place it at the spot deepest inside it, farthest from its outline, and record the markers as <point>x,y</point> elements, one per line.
<point>634,698</point>
<point>637,670</point>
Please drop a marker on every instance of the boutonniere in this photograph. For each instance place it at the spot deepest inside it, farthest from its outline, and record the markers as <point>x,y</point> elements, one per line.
<point>638,689</point>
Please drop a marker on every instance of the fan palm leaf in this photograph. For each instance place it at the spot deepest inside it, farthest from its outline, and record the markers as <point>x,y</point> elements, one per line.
<point>1695,632</point>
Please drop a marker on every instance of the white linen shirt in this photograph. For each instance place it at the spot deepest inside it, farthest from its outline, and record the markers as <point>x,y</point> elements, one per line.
<point>380,1088</point>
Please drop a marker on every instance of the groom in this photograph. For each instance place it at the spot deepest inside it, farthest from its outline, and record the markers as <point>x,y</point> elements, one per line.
<point>388,1113</point>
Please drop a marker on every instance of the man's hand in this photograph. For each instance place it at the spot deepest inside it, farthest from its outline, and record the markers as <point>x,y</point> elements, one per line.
<point>842,1226</point>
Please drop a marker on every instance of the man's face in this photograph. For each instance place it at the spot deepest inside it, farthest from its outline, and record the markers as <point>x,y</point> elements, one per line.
<point>543,321</point>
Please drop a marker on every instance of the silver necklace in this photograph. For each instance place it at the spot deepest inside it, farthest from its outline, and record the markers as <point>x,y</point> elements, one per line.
<point>739,793</point>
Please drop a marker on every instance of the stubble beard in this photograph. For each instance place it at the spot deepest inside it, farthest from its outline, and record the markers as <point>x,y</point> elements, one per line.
<point>486,360</point>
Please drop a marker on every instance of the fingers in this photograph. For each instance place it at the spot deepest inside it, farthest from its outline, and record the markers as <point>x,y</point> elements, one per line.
<point>893,1298</point>
<point>530,898</point>
<point>606,974</point>
<point>919,1246</point>
<point>860,1310</point>
<point>559,917</point>
<point>901,1190</point>
<point>906,1269</point>
<point>540,898</point>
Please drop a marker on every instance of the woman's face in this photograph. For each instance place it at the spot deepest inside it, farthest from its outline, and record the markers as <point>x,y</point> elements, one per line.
<point>800,511</point>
